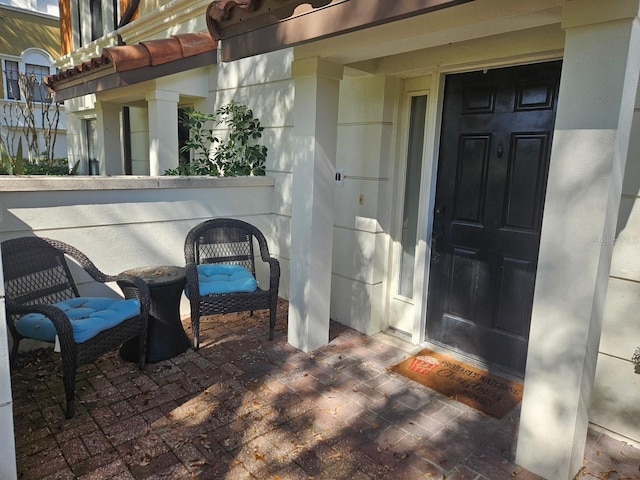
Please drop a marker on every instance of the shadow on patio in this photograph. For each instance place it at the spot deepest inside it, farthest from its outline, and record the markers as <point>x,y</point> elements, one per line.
<point>246,407</point>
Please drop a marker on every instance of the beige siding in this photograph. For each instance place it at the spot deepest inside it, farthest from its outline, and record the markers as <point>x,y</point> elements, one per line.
<point>21,30</point>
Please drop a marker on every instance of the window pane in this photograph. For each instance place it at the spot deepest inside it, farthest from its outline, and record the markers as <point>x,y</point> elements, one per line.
<point>12,75</point>
<point>412,194</point>
<point>116,14</point>
<point>37,73</point>
<point>95,8</point>
<point>184,157</point>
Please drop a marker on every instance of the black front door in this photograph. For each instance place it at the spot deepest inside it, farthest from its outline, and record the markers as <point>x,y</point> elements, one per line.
<point>497,127</point>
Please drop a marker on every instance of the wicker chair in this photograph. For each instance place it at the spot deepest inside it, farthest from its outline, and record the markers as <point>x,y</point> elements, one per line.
<point>37,276</point>
<point>228,242</point>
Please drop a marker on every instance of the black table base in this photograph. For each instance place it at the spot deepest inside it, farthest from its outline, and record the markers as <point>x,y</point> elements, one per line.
<point>166,338</point>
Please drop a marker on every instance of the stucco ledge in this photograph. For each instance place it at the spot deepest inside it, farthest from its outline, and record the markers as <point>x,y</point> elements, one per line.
<point>34,183</point>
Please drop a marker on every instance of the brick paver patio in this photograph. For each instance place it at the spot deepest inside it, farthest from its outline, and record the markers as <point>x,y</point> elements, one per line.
<point>244,407</point>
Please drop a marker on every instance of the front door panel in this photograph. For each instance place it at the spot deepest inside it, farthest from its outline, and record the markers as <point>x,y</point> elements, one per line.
<point>492,173</point>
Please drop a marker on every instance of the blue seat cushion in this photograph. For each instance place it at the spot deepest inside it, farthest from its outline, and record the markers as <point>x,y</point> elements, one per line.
<point>89,316</point>
<point>223,278</point>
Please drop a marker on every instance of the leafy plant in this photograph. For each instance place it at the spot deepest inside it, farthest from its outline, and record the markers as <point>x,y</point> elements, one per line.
<point>18,161</point>
<point>200,136</point>
<point>56,166</point>
<point>11,164</point>
<point>238,154</point>
<point>6,167</point>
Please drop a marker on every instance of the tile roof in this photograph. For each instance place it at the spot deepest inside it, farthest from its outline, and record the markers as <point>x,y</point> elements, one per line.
<point>129,58</point>
<point>220,10</point>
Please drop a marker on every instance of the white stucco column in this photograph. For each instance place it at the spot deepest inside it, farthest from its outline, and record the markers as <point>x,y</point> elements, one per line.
<point>595,107</point>
<point>75,140</point>
<point>7,446</point>
<point>163,130</point>
<point>317,85</point>
<point>109,148</point>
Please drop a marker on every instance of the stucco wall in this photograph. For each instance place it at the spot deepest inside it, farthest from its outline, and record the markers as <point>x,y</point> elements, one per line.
<point>616,399</point>
<point>362,202</point>
<point>22,29</point>
<point>125,222</point>
<point>264,84</point>
<point>139,122</point>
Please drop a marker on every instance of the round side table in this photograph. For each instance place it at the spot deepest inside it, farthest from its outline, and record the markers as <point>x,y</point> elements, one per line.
<point>165,338</point>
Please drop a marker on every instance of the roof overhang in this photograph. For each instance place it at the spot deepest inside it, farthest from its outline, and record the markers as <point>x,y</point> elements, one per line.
<point>126,65</point>
<point>252,27</point>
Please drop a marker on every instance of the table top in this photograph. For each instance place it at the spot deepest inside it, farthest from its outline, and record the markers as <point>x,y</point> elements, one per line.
<point>158,275</point>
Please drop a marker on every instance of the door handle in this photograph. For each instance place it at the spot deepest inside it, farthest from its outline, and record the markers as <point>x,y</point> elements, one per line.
<point>437,232</point>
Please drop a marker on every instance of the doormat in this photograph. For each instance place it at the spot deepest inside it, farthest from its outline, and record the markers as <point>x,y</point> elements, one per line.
<point>472,386</point>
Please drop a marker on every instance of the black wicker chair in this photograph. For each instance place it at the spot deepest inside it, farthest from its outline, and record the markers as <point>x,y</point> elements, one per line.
<point>37,275</point>
<point>228,241</point>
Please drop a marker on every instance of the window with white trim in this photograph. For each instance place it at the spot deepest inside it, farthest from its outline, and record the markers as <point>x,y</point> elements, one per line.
<point>40,92</point>
<point>97,27</point>
<point>11,73</point>
<point>93,19</point>
<point>34,64</point>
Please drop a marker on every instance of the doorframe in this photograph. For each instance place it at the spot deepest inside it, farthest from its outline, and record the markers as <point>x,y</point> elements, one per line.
<point>429,179</point>
<point>425,208</point>
<point>403,117</point>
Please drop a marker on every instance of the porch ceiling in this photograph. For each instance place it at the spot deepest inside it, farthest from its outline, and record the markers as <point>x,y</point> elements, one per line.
<point>126,65</point>
<point>384,48</point>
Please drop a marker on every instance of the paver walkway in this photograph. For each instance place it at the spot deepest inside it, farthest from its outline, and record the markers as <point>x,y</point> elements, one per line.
<point>244,407</point>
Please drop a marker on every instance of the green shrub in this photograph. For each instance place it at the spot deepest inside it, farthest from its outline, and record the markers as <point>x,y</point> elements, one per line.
<point>57,167</point>
<point>238,155</point>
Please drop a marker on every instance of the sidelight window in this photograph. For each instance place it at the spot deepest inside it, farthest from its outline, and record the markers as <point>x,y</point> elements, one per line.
<point>417,122</point>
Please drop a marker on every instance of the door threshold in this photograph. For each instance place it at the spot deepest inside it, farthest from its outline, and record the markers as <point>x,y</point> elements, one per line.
<point>402,340</point>
<point>398,339</point>
<point>473,361</point>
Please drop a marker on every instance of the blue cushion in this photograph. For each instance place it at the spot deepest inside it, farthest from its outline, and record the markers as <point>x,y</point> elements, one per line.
<point>89,316</point>
<point>222,278</point>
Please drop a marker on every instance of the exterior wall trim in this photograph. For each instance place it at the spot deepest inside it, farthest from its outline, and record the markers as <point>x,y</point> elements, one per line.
<point>126,182</point>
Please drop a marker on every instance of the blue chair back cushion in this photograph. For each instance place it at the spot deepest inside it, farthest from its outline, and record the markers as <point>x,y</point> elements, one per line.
<point>89,316</point>
<point>223,278</point>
